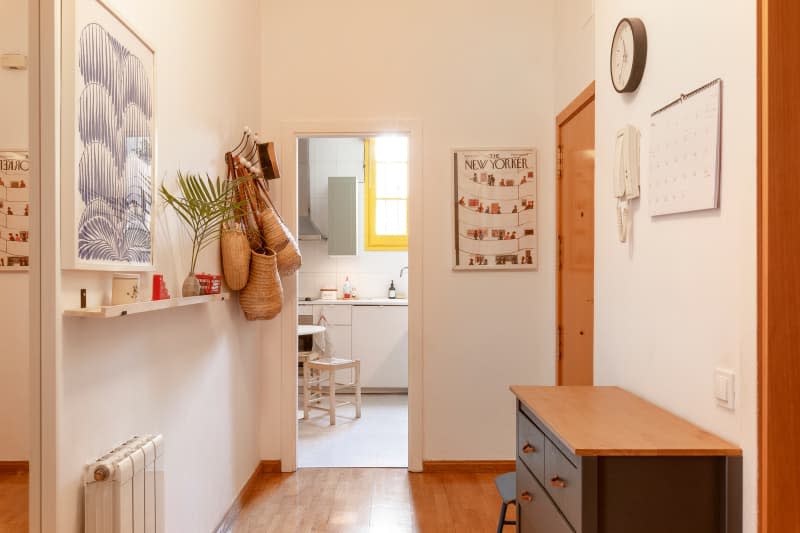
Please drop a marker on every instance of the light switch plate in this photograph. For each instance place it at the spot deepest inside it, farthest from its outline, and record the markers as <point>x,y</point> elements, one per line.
<point>724,388</point>
<point>14,61</point>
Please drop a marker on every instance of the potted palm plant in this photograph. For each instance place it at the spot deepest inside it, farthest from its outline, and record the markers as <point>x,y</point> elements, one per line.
<point>204,205</point>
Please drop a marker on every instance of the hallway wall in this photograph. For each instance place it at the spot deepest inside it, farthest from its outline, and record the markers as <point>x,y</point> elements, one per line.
<point>476,74</point>
<point>192,373</point>
<point>679,300</point>
<point>574,49</point>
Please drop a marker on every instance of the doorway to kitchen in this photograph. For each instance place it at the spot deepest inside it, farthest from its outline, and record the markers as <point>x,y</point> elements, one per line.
<point>353,335</point>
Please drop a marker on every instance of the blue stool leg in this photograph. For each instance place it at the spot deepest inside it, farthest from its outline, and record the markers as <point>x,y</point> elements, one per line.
<point>502,521</point>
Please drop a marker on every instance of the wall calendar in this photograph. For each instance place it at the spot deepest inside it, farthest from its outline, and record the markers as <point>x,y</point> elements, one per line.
<point>685,151</point>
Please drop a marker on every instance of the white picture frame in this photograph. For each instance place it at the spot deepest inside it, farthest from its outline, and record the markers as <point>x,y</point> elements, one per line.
<point>108,129</point>
<point>15,215</point>
<point>495,209</point>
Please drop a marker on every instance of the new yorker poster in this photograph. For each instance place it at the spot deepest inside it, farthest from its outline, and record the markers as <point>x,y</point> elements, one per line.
<point>495,209</point>
<point>15,213</point>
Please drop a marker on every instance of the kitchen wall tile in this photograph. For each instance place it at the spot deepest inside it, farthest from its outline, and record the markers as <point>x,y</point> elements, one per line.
<point>374,285</point>
<point>349,148</point>
<point>349,263</point>
<point>310,284</point>
<point>319,179</point>
<point>315,257</point>
<point>351,168</point>
<point>322,150</point>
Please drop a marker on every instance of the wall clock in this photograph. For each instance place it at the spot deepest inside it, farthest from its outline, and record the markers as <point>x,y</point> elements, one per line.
<point>628,55</point>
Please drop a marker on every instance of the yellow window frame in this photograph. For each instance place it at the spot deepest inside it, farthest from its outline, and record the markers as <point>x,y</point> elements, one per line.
<point>372,241</point>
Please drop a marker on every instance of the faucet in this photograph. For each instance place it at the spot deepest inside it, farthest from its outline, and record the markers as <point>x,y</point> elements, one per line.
<point>405,268</point>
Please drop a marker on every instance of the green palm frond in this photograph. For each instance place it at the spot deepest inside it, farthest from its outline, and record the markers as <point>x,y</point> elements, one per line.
<point>203,205</point>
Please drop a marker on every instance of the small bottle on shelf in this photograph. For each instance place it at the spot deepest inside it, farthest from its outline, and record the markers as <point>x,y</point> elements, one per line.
<point>392,291</point>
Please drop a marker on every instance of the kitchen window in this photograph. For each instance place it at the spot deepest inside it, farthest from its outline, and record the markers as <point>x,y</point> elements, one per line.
<point>386,193</point>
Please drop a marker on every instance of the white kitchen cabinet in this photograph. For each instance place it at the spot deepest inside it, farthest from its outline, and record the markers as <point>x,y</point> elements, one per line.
<point>340,342</point>
<point>380,341</point>
<point>335,314</point>
<point>338,329</point>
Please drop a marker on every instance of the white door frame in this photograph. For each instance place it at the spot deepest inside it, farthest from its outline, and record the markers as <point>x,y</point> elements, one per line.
<point>290,131</point>
<point>44,112</point>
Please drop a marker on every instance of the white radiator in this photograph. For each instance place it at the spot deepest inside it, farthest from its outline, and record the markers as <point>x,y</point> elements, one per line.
<point>124,489</point>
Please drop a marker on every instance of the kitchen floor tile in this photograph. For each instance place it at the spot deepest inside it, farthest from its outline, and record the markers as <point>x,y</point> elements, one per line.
<point>378,439</point>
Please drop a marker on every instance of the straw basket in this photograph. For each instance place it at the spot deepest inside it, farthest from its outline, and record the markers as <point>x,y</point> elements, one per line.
<point>262,297</point>
<point>235,258</point>
<point>280,239</point>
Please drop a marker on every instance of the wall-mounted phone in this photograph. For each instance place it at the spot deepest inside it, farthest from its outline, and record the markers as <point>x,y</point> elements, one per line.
<point>626,176</point>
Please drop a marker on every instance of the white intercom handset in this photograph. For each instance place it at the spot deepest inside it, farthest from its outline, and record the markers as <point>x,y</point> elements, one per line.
<point>626,176</point>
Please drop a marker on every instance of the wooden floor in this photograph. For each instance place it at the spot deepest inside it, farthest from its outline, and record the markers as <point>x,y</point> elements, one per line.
<point>356,500</point>
<point>13,502</point>
<point>352,500</point>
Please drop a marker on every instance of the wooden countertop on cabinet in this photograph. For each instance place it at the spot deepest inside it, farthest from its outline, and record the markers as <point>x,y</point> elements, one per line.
<point>610,421</point>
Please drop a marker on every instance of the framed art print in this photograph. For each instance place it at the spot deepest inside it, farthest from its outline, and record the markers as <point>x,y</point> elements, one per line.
<point>108,131</point>
<point>15,215</point>
<point>495,209</point>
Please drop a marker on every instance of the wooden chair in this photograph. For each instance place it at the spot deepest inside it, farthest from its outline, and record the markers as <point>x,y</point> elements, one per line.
<point>302,359</point>
<point>316,372</point>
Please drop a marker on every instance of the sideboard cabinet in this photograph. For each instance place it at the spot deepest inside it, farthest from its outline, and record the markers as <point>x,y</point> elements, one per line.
<point>602,460</point>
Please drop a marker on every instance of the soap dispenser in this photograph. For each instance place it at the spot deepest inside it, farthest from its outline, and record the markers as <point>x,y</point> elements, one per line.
<point>392,291</point>
<point>347,288</point>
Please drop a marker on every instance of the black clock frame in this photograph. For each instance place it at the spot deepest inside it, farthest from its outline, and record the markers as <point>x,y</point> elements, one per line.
<point>639,54</point>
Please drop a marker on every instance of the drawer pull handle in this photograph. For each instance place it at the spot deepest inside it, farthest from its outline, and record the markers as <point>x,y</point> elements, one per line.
<point>526,496</point>
<point>528,448</point>
<point>558,483</point>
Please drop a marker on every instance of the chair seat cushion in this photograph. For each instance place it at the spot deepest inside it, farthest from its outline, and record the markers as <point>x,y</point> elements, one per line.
<point>507,486</point>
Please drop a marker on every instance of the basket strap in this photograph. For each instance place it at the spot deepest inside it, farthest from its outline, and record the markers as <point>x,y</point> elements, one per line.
<point>272,205</point>
<point>239,214</point>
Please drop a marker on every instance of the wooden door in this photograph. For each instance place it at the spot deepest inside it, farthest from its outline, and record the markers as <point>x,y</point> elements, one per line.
<point>575,219</point>
<point>779,267</point>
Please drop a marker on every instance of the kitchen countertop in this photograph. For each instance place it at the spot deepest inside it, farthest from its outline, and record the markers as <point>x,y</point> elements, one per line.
<point>357,301</point>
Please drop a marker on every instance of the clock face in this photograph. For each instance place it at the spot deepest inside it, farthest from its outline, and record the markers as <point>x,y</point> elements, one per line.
<point>628,54</point>
<point>622,56</point>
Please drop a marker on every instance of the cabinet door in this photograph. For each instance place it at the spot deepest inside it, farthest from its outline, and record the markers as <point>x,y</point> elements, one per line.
<point>339,337</point>
<point>342,221</point>
<point>335,314</point>
<point>380,341</point>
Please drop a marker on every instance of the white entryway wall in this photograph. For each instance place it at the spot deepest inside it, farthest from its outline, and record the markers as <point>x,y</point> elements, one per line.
<point>14,318</point>
<point>432,62</point>
<point>574,67</point>
<point>680,299</point>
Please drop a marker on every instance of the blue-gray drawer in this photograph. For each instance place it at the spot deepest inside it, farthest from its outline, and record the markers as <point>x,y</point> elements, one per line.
<point>563,482</point>
<point>536,512</point>
<point>530,445</point>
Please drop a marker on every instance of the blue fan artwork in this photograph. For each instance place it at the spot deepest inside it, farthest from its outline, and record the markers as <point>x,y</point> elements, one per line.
<point>115,169</point>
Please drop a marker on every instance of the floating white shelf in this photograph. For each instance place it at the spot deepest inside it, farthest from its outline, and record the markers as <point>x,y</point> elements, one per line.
<point>113,311</point>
